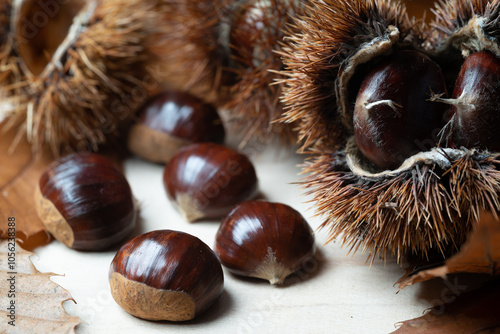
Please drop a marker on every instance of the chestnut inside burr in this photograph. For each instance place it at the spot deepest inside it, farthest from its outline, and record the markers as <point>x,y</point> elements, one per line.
<point>247,26</point>
<point>474,116</point>
<point>394,117</point>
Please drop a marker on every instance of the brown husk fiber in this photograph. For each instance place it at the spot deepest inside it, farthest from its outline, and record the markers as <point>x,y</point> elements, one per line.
<point>102,75</point>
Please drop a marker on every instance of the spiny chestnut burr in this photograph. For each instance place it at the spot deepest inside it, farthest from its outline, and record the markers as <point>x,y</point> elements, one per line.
<point>74,72</point>
<point>85,202</point>
<point>165,275</point>
<point>207,180</point>
<point>170,121</point>
<point>474,106</point>
<point>393,117</point>
<point>264,240</point>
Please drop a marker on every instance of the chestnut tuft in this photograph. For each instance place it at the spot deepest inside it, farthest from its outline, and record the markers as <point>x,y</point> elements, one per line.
<point>264,240</point>
<point>393,116</point>
<point>165,275</point>
<point>207,180</point>
<point>170,121</point>
<point>85,202</point>
<point>476,97</point>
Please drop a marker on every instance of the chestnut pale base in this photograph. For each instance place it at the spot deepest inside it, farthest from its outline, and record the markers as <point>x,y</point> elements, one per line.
<point>149,303</point>
<point>152,145</point>
<point>52,219</point>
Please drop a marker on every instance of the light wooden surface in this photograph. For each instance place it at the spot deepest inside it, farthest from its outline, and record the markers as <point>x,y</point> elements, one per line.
<point>337,293</point>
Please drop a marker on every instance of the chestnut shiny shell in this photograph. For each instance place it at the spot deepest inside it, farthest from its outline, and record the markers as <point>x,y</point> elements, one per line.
<point>165,275</point>
<point>476,99</point>
<point>86,202</point>
<point>207,180</point>
<point>170,121</point>
<point>264,240</point>
<point>393,117</point>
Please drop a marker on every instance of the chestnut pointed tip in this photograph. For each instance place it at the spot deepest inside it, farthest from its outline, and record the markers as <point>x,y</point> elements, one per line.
<point>272,270</point>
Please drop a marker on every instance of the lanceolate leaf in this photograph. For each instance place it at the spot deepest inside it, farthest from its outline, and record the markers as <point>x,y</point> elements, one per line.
<point>480,254</point>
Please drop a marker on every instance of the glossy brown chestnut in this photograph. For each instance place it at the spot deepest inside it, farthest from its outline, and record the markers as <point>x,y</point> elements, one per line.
<point>264,240</point>
<point>85,202</point>
<point>170,121</point>
<point>165,275</point>
<point>475,117</point>
<point>393,117</point>
<point>207,180</point>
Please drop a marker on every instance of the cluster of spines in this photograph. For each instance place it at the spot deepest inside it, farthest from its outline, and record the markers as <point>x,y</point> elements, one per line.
<point>330,32</point>
<point>421,209</point>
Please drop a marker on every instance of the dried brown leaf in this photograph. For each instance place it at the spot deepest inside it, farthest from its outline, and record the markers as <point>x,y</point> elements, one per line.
<point>473,312</point>
<point>37,301</point>
<point>19,173</point>
<point>480,254</point>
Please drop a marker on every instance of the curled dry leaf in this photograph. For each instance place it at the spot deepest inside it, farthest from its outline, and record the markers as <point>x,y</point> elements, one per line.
<point>473,312</point>
<point>480,254</point>
<point>19,175</point>
<point>37,301</point>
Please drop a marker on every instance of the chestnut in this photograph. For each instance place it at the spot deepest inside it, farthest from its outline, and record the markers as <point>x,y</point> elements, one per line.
<point>247,25</point>
<point>85,202</point>
<point>393,116</point>
<point>207,180</point>
<point>474,104</point>
<point>170,121</point>
<point>165,275</point>
<point>264,240</point>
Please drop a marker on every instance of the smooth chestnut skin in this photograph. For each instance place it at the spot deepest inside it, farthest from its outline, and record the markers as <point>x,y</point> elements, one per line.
<point>170,121</point>
<point>475,116</point>
<point>165,275</point>
<point>388,134</point>
<point>207,180</point>
<point>264,240</point>
<point>86,195</point>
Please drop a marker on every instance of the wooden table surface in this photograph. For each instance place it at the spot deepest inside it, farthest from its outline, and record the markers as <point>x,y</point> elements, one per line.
<point>337,293</point>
